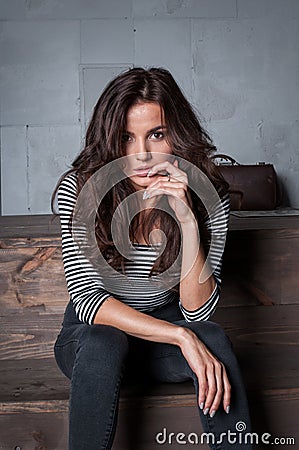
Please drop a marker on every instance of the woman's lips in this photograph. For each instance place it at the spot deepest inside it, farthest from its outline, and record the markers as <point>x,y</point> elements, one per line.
<point>142,172</point>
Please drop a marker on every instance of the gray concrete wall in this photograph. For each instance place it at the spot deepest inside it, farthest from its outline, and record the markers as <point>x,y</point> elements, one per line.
<point>236,60</point>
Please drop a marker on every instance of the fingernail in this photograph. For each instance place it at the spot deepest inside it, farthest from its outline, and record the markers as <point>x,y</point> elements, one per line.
<point>201,405</point>
<point>149,172</point>
<point>227,409</point>
<point>146,195</point>
<point>212,413</point>
<point>206,411</point>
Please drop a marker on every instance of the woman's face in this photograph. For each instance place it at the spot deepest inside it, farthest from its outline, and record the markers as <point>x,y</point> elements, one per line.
<point>145,142</point>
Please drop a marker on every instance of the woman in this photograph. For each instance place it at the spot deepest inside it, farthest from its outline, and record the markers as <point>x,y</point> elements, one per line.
<point>143,120</point>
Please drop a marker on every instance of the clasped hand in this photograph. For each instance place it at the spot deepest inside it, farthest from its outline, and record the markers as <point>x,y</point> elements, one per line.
<point>174,186</point>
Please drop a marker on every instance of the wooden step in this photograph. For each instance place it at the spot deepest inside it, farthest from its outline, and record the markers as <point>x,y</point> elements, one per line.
<point>265,339</point>
<point>44,424</point>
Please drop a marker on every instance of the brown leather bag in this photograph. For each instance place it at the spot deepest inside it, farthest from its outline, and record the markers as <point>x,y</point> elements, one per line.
<point>251,186</point>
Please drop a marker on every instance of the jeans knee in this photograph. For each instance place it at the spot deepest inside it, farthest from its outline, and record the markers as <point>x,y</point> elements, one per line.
<point>103,345</point>
<point>211,334</point>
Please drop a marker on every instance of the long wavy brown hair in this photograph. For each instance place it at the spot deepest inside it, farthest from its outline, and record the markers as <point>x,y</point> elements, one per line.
<point>104,143</point>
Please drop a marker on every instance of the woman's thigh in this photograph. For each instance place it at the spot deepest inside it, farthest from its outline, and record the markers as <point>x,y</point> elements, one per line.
<point>65,347</point>
<point>100,346</point>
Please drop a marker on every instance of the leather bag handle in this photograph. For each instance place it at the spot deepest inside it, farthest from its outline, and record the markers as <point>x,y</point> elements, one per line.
<point>227,157</point>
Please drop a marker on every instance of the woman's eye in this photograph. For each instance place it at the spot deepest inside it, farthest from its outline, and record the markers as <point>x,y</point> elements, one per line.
<point>157,135</point>
<point>126,138</point>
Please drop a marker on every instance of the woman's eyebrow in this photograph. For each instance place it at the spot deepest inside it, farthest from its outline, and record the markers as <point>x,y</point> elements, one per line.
<point>159,127</point>
<point>152,130</point>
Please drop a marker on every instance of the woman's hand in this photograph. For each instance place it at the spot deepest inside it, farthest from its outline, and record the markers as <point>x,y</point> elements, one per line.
<point>175,187</point>
<point>213,383</point>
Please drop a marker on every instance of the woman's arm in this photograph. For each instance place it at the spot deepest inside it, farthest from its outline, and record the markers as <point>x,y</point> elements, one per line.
<point>193,294</point>
<point>213,382</point>
<point>85,286</point>
<point>198,300</point>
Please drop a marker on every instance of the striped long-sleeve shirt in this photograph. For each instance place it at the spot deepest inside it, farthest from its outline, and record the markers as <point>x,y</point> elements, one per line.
<point>88,289</point>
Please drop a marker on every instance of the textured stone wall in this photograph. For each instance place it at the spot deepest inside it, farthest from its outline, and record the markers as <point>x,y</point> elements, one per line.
<point>236,60</point>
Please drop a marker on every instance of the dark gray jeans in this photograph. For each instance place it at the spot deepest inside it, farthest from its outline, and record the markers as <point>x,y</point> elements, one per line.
<point>96,357</point>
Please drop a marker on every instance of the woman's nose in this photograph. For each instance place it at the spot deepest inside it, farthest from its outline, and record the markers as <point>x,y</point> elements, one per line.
<point>142,150</point>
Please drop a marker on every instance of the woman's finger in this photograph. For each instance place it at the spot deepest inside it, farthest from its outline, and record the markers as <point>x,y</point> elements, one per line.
<point>219,386</point>
<point>164,182</point>
<point>212,388</point>
<point>202,387</point>
<point>172,169</point>
<point>226,393</point>
<point>168,190</point>
<point>176,189</point>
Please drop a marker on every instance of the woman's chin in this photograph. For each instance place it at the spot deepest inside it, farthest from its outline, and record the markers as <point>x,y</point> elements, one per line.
<point>140,182</point>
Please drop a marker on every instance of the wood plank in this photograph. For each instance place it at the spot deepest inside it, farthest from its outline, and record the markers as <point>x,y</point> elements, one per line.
<point>257,268</point>
<point>45,423</point>
<point>40,225</point>
<point>12,244</point>
<point>264,265</point>
<point>250,256</point>
<point>266,341</point>
<point>29,225</point>
<point>247,221</point>
<point>32,277</point>
<point>137,427</point>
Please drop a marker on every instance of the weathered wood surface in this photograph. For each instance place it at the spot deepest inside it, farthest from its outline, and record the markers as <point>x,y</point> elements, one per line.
<point>259,267</point>
<point>263,264</point>
<point>32,277</point>
<point>245,221</point>
<point>48,225</point>
<point>44,425</point>
<point>266,341</point>
<point>259,310</point>
<point>29,226</point>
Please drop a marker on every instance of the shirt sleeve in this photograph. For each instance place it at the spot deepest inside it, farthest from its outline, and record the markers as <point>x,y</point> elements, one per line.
<point>84,284</point>
<point>218,221</point>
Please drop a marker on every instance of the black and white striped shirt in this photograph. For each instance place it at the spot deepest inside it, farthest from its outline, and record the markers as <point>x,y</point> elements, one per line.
<point>87,288</point>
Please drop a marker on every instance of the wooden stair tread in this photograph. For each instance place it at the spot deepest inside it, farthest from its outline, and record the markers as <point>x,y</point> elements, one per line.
<point>38,225</point>
<point>265,339</point>
<point>45,423</point>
